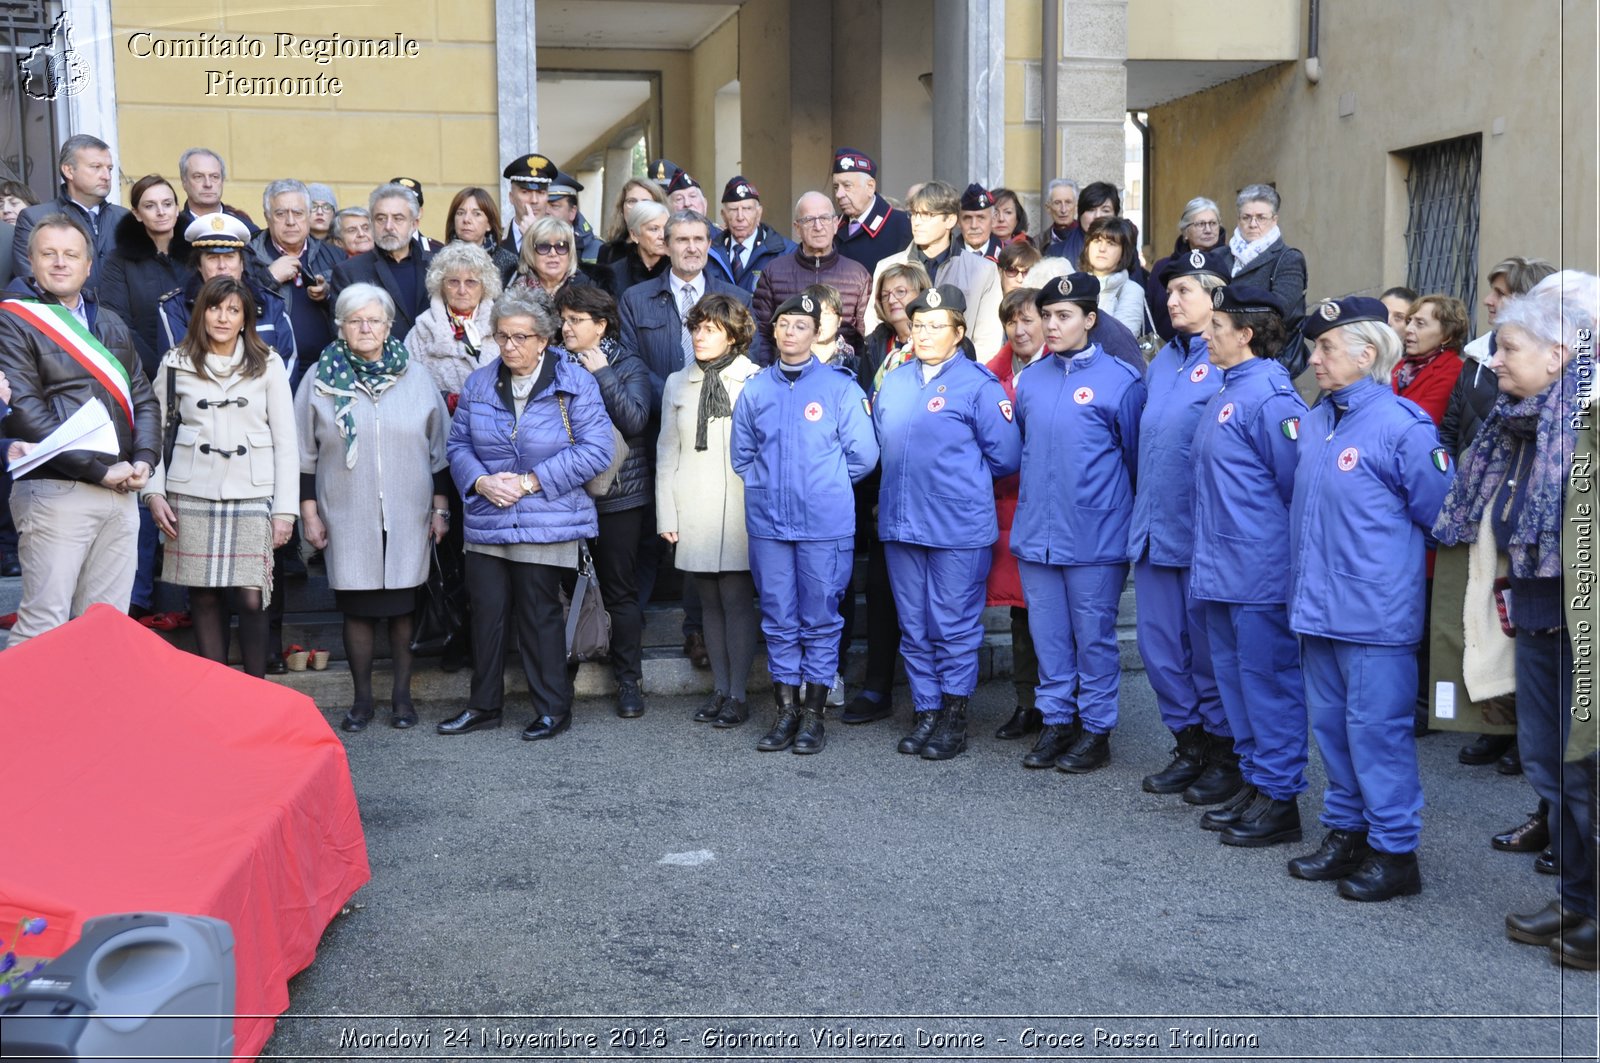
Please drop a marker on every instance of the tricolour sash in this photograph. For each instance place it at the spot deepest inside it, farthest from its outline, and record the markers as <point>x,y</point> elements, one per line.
<point>68,333</point>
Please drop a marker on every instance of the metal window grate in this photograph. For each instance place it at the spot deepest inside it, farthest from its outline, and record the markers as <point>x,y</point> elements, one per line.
<point>28,126</point>
<point>1442,224</point>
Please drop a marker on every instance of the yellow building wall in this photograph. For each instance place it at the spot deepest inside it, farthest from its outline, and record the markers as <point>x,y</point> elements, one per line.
<point>1023,137</point>
<point>1343,183</point>
<point>432,117</point>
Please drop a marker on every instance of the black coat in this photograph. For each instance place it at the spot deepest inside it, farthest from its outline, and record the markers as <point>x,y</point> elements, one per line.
<point>1471,399</point>
<point>625,389</point>
<point>627,271</point>
<point>102,231</point>
<point>374,267</point>
<point>134,277</point>
<point>1281,270</point>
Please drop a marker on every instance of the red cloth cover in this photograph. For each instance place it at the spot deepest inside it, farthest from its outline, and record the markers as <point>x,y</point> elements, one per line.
<point>144,778</point>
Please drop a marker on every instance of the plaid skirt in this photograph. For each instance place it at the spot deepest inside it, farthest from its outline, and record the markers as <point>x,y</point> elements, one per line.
<point>221,544</point>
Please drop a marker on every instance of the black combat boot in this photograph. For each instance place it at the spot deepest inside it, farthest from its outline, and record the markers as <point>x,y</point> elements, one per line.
<point>811,738</point>
<point>1267,821</point>
<point>927,723</point>
<point>950,739</point>
<point>781,736</point>
<point>1381,876</point>
<point>1023,722</point>
<point>1227,814</point>
<point>1221,779</point>
<point>1091,751</point>
<point>1342,853</point>
<point>1188,761</point>
<point>1054,740</point>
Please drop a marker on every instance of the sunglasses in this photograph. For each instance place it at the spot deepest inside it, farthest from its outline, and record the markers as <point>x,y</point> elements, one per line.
<point>552,249</point>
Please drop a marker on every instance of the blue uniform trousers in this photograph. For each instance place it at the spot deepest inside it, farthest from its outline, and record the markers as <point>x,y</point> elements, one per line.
<point>799,586</point>
<point>1257,660</point>
<point>1171,627</point>
<point>1360,698</point>
<point>1072,613</point>
<point>939,594</point>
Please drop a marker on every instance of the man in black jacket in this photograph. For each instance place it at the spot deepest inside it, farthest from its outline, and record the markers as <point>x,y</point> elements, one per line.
<point>398,264</point>
<point>79,512</point>
<point>87,175</point>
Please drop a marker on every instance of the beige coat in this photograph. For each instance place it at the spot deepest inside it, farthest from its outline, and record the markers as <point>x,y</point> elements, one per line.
<point>978,280</point>
<point>263,424</point>
<point>698,495</point>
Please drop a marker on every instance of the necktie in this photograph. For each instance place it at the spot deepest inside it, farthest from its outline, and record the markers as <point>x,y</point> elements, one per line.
<point>738,253</point>
<point>685,304</point>
<point>855,227</point>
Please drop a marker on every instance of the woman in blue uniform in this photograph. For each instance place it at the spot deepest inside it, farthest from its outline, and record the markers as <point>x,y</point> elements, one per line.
<point>1078,411</point>
<point>801,438</point>
<point>946,432</point>
<point>1171,625</point>
<point>1245,451</point>
<point>1370,480</point>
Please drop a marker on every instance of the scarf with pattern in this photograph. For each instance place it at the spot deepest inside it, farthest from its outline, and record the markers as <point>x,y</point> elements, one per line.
<point>343,376</point>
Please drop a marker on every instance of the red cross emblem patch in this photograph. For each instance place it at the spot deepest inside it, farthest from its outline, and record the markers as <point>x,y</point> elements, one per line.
<point>814,411</point>
<point>936,404</point>
<point>1006,410</point>
<point>1083,396</point>
<point>1199,372</point>
<point>1347,458</point>
<point>1225,413</point>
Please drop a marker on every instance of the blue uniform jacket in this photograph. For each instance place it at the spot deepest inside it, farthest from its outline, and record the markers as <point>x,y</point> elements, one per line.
<point>1365,490</point>
<point>770,244</point>
<point>799,447</point>
<point>1079,418</point>
<point>943,444</point>
<point>1179,381</point>
<point>1245,453</point>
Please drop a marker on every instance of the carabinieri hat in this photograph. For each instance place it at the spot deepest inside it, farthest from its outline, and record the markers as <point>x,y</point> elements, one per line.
<point>1196,263</point>
<point>682,182</point>
<point>1244,299</point>
<point>409,182</point>
<point>532,169</point>
<point>944,297</point>
<point>800,304</point>
<point>849,160</point>
<point>976,197</point>
<point>564,185</point>
<point>662,171</point>
<point>1336,313</point>
<point>217,233</point>
<point>738,189</point>
<point>1080,288</point>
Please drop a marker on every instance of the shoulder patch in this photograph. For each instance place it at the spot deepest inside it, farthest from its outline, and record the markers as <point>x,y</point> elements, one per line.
<point>1290,427</point>
<point>1441,459</point>
<point>169,295</point>
<point>866,404</point>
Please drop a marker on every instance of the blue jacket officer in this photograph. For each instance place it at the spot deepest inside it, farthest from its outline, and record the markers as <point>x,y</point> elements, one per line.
<point>1078,411</point>
<point>1161,543</point>
<point>801,437</point>
<point>947,431</point>
<point>1245,453</point>
<point>1370,479</point>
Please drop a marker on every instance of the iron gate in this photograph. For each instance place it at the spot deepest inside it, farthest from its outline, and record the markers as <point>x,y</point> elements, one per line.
<point>28,125</point>
<point>1442,225</point>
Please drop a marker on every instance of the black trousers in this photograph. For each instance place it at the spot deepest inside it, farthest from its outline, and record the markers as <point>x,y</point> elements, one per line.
<point>508,596</point>
<point>616,564</point>
<point>883,618</point>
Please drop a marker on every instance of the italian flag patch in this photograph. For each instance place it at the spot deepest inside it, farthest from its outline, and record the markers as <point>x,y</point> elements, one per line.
<point>1291,427</point>
<point>1441,459</point>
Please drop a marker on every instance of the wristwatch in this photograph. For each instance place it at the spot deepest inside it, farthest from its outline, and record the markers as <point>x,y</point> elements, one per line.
<point>526,480</point>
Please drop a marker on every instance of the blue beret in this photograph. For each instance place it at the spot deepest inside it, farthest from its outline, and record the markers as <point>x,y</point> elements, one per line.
<point>801,304</point>
<point>944,297</point>
<point>976,197</point>
<point>1080,288</point>
<point>1335,313</point>
<point>1215,262</point>
<point>1243,299</point>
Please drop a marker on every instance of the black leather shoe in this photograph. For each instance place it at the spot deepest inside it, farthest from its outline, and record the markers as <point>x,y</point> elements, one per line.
<point>1092,750</point>
<point>1188,761</point>
<point>1227,814</point>
<point>278,666</point>
<point>1382,876</point>
<point>1023,722</point>
<point>927,722</point>
<point>1485,749</point>
<point>1419,722</point>
<point>1546,863</point>
<point>1342,853</point>
<point>402,715</point>
<point>709,711</point>
<point>357,718</point>
<point>732,714</point>
<point>1529,837</point>
<point>787,722</point>
<point>812,737</point>
<point>1543,926</point>
<point>1221,778</point>
<point>470,720</point>
<point>11,567</point>
<point>1054,740</point>
<point>1510,763</point>
<point>864,710</point>
<point>1267,821</point>
<point>950,738</point>
<point>1576,947</point>
<point>630,701</point>
<point>546,727</point>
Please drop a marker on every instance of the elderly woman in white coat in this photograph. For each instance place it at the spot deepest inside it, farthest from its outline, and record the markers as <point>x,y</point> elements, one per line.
<point>374,479</point>
<point>226,495</point>
<point>700,499</point>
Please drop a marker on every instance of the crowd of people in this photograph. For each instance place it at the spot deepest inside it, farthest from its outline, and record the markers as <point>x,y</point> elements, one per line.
<point>980,414</point>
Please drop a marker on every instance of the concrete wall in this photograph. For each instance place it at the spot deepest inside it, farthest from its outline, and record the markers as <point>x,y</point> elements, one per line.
<point>713,64</point>
<point>432,117</point>
<point>786,98</point>
<point>1342,179</point>
<point>1217,29</point>
<point>905,111</point>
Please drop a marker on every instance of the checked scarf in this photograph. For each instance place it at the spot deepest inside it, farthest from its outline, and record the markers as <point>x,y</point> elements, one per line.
<point>343,376</point>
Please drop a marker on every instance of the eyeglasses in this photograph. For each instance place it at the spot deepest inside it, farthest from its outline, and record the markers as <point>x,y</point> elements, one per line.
<point>1255,219</point>
<point>926,215</point>
<point>507,340</point>
<point>928,326</point>
<point>364,324</point>
<point>577,319</point>
<point>551,249</point>
<point>901,294</point>
<point>816,220</point>
<point>1203,224</point>
<point>1015,271</point>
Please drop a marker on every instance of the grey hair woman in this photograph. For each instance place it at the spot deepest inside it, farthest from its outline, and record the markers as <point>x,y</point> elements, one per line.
<point>1261,258</point>
<point>646,256</point>
<point>373,486</point>
<point>452,337</point>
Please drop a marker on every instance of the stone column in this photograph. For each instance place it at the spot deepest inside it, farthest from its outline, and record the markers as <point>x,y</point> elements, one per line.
<point>969,91</point>
<point>517,69</point>
<point>1092,90</point>
<point>619,167</point>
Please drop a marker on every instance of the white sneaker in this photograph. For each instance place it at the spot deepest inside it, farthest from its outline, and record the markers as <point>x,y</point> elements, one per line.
<point>835,698</point>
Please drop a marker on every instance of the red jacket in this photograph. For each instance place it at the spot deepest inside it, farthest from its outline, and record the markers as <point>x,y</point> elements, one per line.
<point>1431,389</point>
<point>1005,582</point>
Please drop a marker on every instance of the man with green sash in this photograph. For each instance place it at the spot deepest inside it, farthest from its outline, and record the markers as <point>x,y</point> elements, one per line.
<point>77,515</point>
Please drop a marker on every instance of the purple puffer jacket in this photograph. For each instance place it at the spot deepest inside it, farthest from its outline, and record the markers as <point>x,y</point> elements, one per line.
<point>484,438</point>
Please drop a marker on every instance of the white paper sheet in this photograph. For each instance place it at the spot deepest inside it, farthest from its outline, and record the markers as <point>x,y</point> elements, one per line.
<point>89,428</point>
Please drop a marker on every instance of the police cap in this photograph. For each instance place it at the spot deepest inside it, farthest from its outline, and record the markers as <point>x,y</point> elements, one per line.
<point>412,183</point>
<point>217,233</point>
<point>532,169</point>
<point>662,171</point>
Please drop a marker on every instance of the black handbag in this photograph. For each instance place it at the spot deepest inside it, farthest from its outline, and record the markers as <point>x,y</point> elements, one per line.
<point>587,622</point>
<point>441,606</point>
<point>169,431</point>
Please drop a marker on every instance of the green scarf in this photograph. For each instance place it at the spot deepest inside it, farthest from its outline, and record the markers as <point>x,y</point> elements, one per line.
<point>343,375</point>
